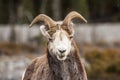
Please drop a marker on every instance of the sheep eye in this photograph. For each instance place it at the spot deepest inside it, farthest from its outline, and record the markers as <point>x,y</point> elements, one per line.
<point>50,39</point>
<point>71,37</point>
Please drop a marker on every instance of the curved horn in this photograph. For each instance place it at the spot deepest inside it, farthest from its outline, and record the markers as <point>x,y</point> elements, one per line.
<point>43,18</point>
<point>71,16</point>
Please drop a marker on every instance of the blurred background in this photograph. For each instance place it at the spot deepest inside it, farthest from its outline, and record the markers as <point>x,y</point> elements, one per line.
<point>98,40</point>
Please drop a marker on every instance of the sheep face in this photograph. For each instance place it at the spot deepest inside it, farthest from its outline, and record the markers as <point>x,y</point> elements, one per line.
<point>59,39</point>
<point>60,43</point>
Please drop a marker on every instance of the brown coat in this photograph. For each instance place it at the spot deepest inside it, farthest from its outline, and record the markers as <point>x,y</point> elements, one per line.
<point>48,67</point>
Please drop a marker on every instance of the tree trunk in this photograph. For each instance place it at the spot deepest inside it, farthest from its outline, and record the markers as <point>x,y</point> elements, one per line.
<point>56,7</point>
<point>43,6</point>
<point>12,19</point>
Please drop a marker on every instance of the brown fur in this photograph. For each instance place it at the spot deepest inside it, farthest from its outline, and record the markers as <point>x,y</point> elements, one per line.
<point>48,67</point>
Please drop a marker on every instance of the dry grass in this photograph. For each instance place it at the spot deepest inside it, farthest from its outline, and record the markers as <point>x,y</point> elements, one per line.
<point>13,48</point>
<point>105,64</point>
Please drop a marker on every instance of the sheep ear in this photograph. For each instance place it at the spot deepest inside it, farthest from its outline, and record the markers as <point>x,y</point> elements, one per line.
<point>44,31</point>
<point>72,29</point>
<point>69,29</point>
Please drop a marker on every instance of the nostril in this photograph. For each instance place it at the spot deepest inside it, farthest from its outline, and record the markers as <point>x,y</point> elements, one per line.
<point>62,51</point>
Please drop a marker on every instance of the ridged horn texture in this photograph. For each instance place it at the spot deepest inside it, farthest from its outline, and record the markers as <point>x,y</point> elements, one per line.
<point>73,15</point>
<point>43,18</point>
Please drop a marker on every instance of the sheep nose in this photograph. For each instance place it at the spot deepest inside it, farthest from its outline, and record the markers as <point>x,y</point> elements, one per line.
<point>62,51</point>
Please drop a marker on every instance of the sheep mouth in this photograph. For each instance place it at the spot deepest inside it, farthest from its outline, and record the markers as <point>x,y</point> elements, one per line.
<point>61,57</point>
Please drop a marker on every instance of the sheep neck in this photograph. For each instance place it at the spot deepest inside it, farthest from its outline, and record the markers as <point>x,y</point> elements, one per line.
<point>69,69</point>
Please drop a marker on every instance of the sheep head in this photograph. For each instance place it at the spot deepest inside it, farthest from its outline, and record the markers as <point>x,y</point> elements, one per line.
<point>59,35</point>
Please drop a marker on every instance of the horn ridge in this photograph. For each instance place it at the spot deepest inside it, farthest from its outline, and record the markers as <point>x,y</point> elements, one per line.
<point>71,16</point>
<point>43,18</point>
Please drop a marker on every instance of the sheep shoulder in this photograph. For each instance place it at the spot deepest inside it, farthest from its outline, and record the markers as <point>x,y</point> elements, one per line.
<point>38,69</point>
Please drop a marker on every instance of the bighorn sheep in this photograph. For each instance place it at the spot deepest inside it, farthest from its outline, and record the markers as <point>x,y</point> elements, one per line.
<point>62,58</point>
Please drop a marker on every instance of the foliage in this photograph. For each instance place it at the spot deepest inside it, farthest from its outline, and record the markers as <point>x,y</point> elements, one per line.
<point>92,10</point>
<point>80,6</point>
<point>4,13</point>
